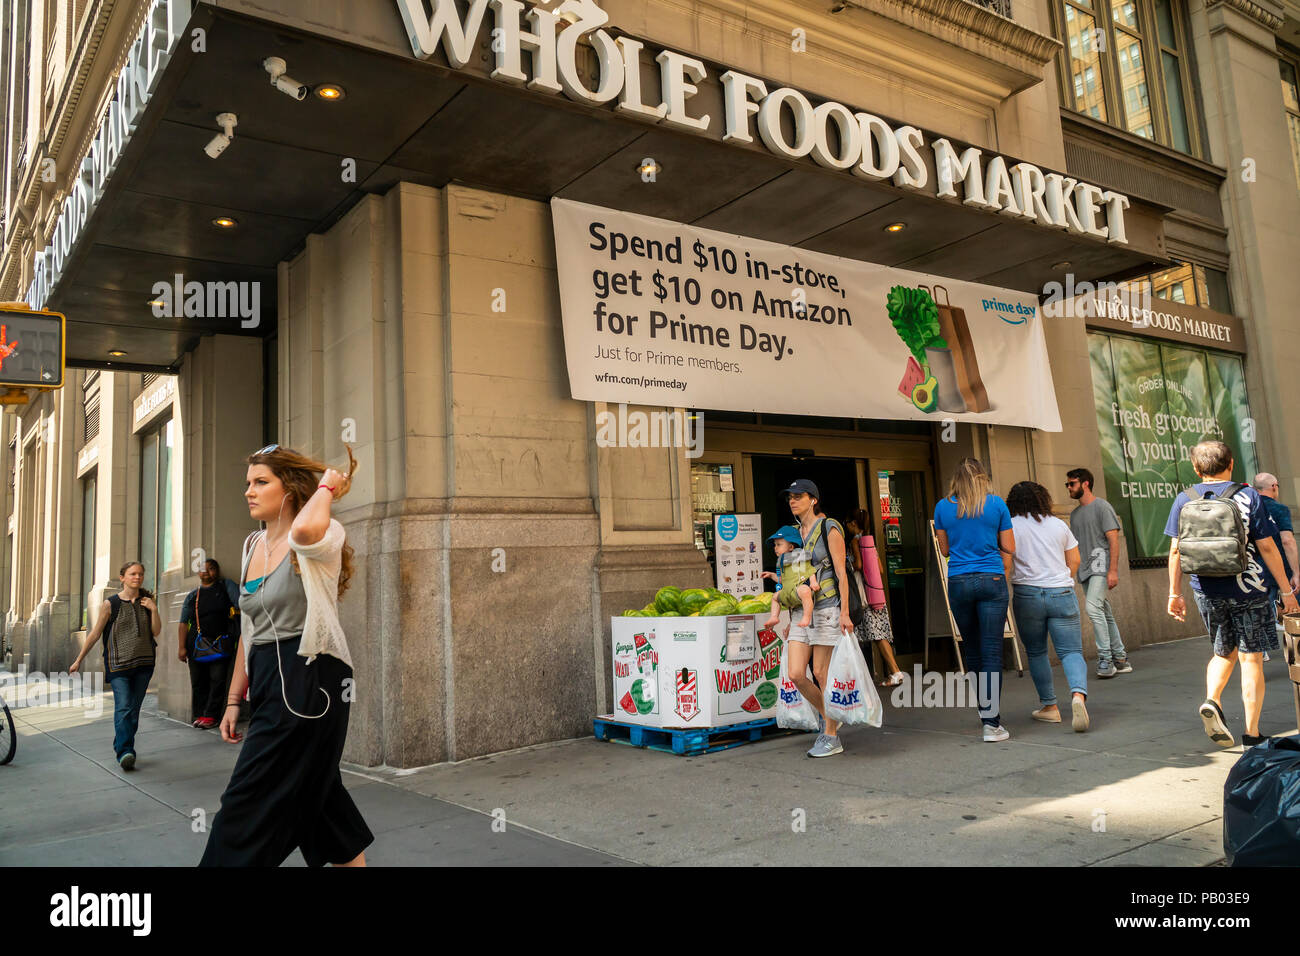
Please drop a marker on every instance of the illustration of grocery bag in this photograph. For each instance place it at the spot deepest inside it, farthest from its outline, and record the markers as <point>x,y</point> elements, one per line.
<point>952,322</point>
<point>929,382</point>
<point>850,696</point>
<point>793,712</point>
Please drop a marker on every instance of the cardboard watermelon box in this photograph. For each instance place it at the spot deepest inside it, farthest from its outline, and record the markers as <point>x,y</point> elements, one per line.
<point>675,671</point>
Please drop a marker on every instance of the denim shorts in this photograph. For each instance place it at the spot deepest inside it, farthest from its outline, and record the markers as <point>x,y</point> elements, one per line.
<point>1248,624</point>
<point>825,628</point>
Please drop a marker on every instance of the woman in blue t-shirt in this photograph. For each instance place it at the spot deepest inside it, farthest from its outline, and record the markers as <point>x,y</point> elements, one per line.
<point>974,531</point>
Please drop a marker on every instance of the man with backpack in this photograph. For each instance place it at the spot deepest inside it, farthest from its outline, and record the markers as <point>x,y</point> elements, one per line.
<point>1223,538</point>
<point>209,633</point>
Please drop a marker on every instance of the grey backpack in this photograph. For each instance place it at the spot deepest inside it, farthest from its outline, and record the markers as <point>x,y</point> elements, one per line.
<point>1211,535</point>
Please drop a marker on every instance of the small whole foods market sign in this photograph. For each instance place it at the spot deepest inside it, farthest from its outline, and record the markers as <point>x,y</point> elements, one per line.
<point>660,313</point>
<point>788,123</point>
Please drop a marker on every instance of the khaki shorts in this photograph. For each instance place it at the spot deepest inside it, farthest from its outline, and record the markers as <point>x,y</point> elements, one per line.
<point>825,628</point>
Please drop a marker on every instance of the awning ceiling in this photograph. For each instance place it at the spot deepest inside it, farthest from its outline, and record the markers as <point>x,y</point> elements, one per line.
<point>403,119</point>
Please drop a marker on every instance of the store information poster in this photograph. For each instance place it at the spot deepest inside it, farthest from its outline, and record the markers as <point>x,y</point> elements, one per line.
<point>738,553</point>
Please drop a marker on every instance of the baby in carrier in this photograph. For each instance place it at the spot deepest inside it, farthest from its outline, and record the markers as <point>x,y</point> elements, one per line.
<point>795,577</point>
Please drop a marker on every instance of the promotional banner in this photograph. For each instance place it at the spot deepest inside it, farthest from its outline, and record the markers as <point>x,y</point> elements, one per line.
<point>661,313</point>
<point>1154,402</point>
<point>738,540</point>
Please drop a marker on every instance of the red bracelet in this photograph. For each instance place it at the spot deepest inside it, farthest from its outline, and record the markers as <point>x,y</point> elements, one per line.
<point>323,485</point>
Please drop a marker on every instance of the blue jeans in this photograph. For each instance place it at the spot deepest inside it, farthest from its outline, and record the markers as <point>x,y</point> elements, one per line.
<point>979,606</point>
<point>1055,611</point>
<point>128,697</point>
<point>1104,629</point>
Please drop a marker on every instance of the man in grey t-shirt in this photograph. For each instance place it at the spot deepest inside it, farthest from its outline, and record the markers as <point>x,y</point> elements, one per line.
<point>1096,526</point>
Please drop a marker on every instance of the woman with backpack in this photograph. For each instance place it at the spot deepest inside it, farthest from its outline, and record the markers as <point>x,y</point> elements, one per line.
<point>974,531</point>
<point>1046,560</point>
<point>128,622</point>
<point>286,791</point>
<point>823,538</point>
<point>208,631</point>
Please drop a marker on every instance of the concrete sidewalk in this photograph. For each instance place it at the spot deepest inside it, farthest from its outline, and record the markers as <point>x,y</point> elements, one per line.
<point>1143,787</point>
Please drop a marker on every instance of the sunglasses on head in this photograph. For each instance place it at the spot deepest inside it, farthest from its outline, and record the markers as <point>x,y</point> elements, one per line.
<point>268,449</point>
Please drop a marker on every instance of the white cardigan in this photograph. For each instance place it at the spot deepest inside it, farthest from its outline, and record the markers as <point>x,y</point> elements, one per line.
<point>320,564</point>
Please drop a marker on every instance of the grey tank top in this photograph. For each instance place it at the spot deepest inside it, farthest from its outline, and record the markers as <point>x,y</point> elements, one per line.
<point>285,601</point>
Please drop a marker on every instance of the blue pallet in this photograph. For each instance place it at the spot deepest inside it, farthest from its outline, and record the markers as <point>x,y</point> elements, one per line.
<point>686,741</point>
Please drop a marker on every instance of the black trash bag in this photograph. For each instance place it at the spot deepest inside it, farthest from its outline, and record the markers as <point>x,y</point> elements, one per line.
<point>1261,806</point>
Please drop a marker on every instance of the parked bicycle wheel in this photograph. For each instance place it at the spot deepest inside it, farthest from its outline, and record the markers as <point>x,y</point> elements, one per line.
<point>8,739</point>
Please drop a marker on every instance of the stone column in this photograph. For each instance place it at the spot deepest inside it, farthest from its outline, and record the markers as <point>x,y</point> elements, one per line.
<point>1236,53</point>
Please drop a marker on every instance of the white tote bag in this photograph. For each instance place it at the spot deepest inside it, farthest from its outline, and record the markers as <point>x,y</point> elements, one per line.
<point>793,712</point>
<point>850,695</point>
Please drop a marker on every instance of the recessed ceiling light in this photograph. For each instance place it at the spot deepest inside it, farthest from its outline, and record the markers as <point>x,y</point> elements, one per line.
<point>330,92</point>
<point>649,168</point>
<point>1059,266</point>
<point>225,222</point>
<point>116,353</point>
<point>155,303</point>
<point>896,227</point>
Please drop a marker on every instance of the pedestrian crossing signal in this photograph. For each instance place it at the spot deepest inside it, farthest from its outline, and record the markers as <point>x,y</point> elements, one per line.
<point>32,347</point>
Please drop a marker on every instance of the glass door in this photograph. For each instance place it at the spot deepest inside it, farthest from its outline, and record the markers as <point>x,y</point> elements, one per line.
<point>713,491</point>
<point>903,542</point>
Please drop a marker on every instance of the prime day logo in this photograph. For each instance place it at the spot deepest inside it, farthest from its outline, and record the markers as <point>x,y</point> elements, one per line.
<point>727,527</point>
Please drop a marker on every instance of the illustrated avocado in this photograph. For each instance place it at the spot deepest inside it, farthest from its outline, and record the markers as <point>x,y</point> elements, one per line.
<point>925,396</point>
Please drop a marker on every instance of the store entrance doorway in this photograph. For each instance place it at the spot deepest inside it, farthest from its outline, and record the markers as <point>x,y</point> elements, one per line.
<point>835,478</point>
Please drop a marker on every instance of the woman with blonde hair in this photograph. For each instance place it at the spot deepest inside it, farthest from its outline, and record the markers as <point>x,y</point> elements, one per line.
<point>973,526</point>
<point>286,791</point>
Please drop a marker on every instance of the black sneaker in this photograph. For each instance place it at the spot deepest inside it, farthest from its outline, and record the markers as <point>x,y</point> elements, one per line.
<point>1248,741</point>
<point>1216,728</point>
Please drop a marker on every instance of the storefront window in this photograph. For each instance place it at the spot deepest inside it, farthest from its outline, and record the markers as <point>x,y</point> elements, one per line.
<point>1133,56</point>
<point>712,492</point>
<point>1154,401</point>
<point>87,545</point>
<point>156,526</point>
<point>1175,284</point>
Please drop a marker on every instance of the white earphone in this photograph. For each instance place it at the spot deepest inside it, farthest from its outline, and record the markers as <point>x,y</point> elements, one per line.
<point>261,590</point>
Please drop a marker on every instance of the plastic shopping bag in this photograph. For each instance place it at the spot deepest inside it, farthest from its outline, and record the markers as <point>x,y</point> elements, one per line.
<point>793,712</point>
<point>850,695</point>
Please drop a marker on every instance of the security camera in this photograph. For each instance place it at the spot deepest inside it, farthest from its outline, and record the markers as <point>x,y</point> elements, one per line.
<point>285,84</point>
<point>217,145</point>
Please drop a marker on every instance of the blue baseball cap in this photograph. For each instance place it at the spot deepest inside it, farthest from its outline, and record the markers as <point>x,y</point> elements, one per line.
<point>787,533</point>
<point>803,486</point>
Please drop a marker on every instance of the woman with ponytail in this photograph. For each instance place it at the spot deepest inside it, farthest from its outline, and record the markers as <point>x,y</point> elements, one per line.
<point>286,791</point>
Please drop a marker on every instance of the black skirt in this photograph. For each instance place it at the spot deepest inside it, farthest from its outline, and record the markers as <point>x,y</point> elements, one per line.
<point>286,791</point>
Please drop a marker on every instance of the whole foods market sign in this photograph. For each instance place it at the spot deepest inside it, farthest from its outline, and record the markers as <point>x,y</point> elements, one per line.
<point>833,135</point>
<point>666,314</point>
<point>147,57</point>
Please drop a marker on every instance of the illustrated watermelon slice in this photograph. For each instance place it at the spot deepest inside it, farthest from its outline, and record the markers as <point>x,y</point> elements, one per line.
<point>752,705</point>
<point>641,642</point>
<point>911,378</point>
<point>765,638</point>
<point>627,703</point>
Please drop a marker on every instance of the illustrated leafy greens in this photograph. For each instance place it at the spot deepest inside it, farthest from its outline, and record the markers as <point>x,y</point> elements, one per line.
<point>916,319</point>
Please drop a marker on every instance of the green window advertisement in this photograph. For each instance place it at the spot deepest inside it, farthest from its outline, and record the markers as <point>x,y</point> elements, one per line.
<point>1154,402</point>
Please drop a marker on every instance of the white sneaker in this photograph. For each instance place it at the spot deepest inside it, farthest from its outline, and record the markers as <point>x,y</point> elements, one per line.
<point>994,734</point>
